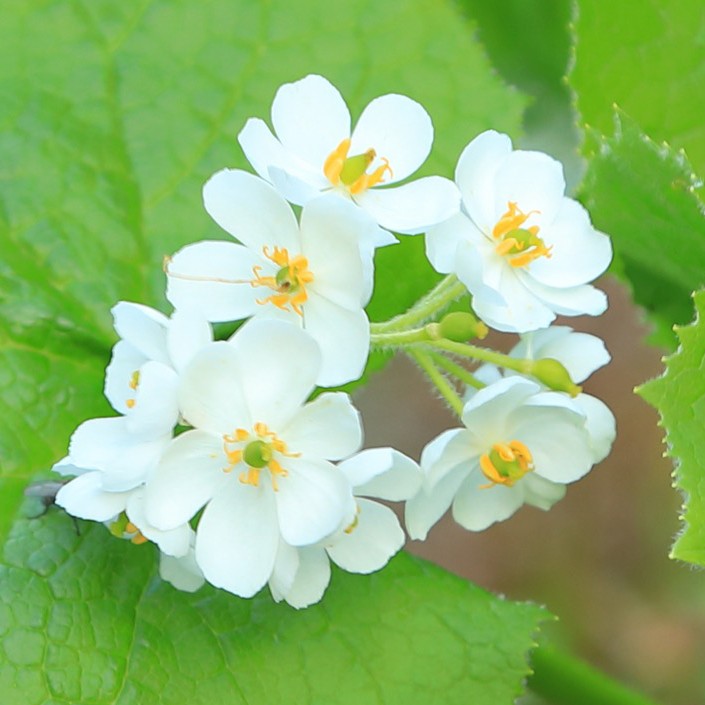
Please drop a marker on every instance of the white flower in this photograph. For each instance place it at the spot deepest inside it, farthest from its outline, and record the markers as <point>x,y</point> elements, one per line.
<point>524,250</point>
<point>520,445</point>
<point>316,151</point>
<point>312,275</point>
<point>258,458</point>
<point>141,380</point>
<point>581,354</point>
<point>361,545</point>
<point>182,571</point>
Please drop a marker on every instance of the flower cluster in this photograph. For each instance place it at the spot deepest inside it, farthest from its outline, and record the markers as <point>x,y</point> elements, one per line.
<point>223,455</point>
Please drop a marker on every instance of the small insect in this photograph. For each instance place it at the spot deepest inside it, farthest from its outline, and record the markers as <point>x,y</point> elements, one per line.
<point>46,493</point>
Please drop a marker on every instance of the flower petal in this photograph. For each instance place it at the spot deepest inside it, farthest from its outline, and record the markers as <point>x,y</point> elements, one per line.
<point>429,505</point>
<point>214,278</point>
<point>189,331</point>
<point>155,409</point>
<point>85,498</point>
<point>600,425</point>
<point>541,493</point>
<point>237,538</point>
<point>312,577</point>
<point>414,207</point>
<point>126,359</point>
<point>399,129</point>
<point>143,327</point>
<point>295,188</point>
<point>343,336</point>
<point>384,473</point>
<point>375,538</point>
<point>575,301</point>
<point>444,453</point>
<point>251,210</point>
<point>310,118</point>
<point>277,364</point>
<point>476,506</point>
<point>189,474</point>
<point>286,565</point>
<point>475,174</point>
<point>442,242</point>
<point>174,542</point>
<point>328,427</point>
<point>183,572</point>
<point>311,501</point>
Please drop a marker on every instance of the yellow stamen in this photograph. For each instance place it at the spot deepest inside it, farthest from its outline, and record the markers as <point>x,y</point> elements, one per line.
<point>351,172</point>
<point>506,463</point>
<point>130,403</point>
<point>138,537</point>
<point>256,450</point>
<point>519,245</point>
<point>289,282</point>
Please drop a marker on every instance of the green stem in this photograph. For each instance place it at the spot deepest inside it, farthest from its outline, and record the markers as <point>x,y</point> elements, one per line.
<point>441,296</point>
<point>442,384</point>
<point>399,339</point>
<point>456,370</point>
<point>564,680</point>
<point>483,354</point>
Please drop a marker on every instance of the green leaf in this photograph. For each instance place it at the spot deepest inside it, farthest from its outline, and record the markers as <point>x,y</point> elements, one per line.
<point>679,395</point>
<point>648,57</point>
<point>84,620</point>
<point>643,195</point>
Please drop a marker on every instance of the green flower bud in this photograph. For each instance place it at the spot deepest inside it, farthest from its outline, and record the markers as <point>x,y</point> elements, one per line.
<point>460,326</point>
<point>554,375</point>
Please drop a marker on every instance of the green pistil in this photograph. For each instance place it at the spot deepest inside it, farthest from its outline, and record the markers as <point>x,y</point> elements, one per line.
<point>257,454</point>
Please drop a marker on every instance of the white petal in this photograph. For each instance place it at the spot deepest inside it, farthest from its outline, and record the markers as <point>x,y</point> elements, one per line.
<point>191,471</point>
<point>442,242</point>
<point>188,333</point>
<point>475,508</point>
<point>183,573</point>
<point>332,231</point>
<point>66,468</point>
<point>600,424</point>
<point>328,427</point>
<point>579,252</point>
<point>174,542</point>
<point>211,396</point>
<point>576,301</point>
<point>156,410</point>
<point>124,458</point>
<point>475,174</point>
<point>124,362</point>
<point>312,578</point>
<point>237,538</point>
<point>85,498</point>
<point>481,270</point>
<point>343,336</point>
<point>297,189</point>
<point>384,473</point>
<point>428,506</point>
<point>444,453</point>
<point>414,207</point>
<point>286,565</point>
<point>399,129</point>
<point>311,500</point>
<point>251,210</point>
<point>143,327</point>
<point>310,118</point>
<point>580,353</point>
<point>214,278</point>
<point>277,364</point>
<point>265,152</point>
<point>532,180</point>
<point>541,493</point>
<point>375,538</point>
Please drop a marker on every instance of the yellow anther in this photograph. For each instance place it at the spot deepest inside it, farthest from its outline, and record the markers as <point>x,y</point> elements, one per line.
<point>138,537</point>
<point>130,403</point>
<point>506,463</point>
<point>519,245</point>
<point>289,283</point>
<point>256,450</point>
<point>351,172</point>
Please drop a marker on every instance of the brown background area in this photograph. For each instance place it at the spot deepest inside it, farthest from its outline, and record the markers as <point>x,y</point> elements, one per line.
<point>599,558</point>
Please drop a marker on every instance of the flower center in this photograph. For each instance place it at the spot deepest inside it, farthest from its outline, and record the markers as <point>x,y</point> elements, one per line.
<point>133,384</point>
<point>506,463</point>
<point>351,172</point>
<point>519,245</point>
<point>256,449</point>
<point>289,282</point>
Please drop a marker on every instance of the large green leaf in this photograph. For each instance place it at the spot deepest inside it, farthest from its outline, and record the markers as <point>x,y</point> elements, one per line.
<point>648,57</point>
<point>679,395</point>
<point>643,195</point>
<point>113,114</point>
<point>84,620</point>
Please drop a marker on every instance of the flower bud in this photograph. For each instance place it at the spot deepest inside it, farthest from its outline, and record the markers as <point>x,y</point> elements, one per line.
<point>460,326</point>
<point>554,375</point>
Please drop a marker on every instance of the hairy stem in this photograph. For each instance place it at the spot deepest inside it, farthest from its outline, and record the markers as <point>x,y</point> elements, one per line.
<point>441,383</point>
